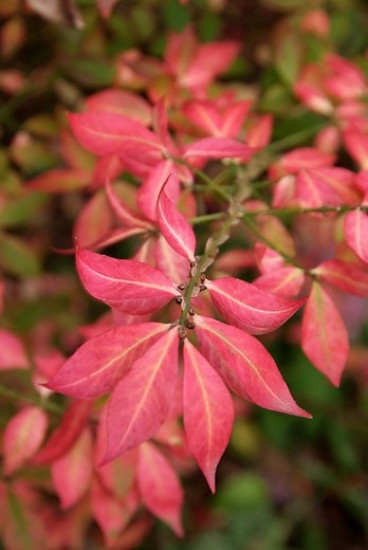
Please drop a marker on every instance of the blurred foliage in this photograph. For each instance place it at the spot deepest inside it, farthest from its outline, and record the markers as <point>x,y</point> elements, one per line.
<point>284,483</point>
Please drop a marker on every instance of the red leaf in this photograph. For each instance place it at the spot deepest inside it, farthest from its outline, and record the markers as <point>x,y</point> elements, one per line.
<point>174,227</point>
<point>344,276</point>
<point>71,474</point>
<point>246,306</point>
<point>97,366</point>
<point>126,285</point>
<point>66,433</point>
<point>208,412</point>
<point>245,365</point>
<point>141,400</point>
<point>106,133</point>
<point>324,336</point>
<point>218,148</point>
<point>12,354</point>
<point>23,436</point>
<point>356,231</point>
<point>159,486</point>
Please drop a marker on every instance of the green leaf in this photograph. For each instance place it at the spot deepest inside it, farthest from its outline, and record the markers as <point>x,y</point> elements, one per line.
<point>21,209</point>
<point>17,257</point>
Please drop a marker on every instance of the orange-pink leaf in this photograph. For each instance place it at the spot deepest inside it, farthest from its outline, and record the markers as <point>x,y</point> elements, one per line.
<point>208,412</point>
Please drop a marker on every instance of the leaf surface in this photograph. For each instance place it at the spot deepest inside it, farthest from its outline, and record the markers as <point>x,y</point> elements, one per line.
<point>67,432</point>
<point>141,400</point>
<point>324,336</point>
<point>174,227</point>
<point>126,285</point>
<point>106,133</point>
<point>23,436</point>
<point>245,365</point>
<point>356,231</point>
<point>96,367</point>
<point>159,487</point>
<point>344,276</point>
<point>71,474</point>
<point>250,308</point>
<point>208,412</point>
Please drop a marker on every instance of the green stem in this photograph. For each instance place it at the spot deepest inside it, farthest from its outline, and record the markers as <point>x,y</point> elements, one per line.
<point>34,400</point>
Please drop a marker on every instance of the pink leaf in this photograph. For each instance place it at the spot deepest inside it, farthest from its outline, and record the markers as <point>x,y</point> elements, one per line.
<point>123,212</point>
<point>300,159</point>
<point>111,514</point>
<point>12,354</point>
<point>126,285</point>
<point>247,307</point>
<point>67,432</point>
<point>23,436</point>
<point>121,102</point>
<point>284,282</point>
<point>94,221</point>
<point>208,412</point>
<point>159,486</point>
<point>174,227</point>
<point>141,400</point>
<point>106,7</point>
<point>71,474</point>
<point>172,264</point>
<point>324,336</point>
<point>106,133</point>
<point>356,231</point>
<point>245,365</point>
<point>356,144</point>
<point>218,148</point>
<point>344,276</point>
<point>204,114</point>
<point>259,134</point>
<point>118,475</point>
<point>150,190</point>
<point>332,186</point>
<point>97,366</point>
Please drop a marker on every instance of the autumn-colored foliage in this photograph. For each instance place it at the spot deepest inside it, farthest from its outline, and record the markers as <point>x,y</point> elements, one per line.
<point>169,222</point>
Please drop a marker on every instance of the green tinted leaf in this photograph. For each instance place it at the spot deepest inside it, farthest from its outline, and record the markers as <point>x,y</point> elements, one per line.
<point>17,257</point>
<point>21,209</point>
